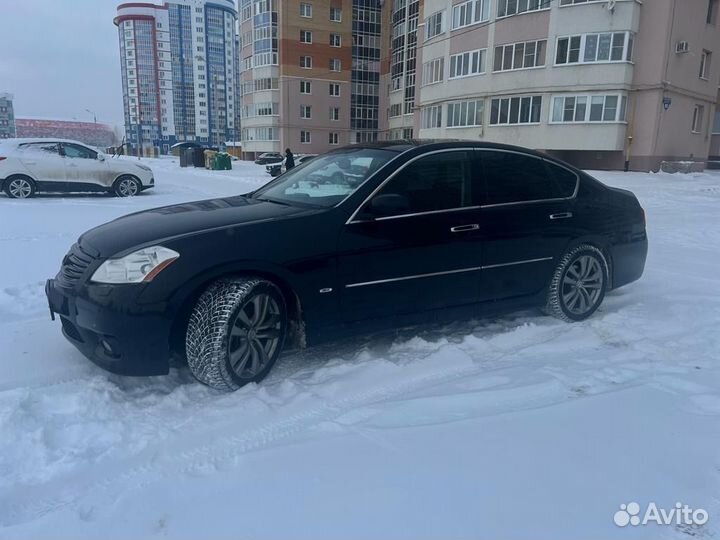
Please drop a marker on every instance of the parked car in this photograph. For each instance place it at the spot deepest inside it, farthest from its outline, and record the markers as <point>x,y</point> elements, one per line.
<point>276,169</point>
<point>29,166</point>
<point>269,157</point>
<point>435,231</point>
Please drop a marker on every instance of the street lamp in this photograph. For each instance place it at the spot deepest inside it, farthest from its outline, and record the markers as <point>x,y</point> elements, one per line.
<point>667,101</point>
<point>93,114</point>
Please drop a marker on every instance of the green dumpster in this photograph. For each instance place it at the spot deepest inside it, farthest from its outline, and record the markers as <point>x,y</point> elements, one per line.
<point>222,162</point>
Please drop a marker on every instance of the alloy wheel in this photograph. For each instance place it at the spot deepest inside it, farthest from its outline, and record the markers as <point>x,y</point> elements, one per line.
<point>582,285</point>
<point>127,187</point>
<point>20,188</point>
<point>254,335</point>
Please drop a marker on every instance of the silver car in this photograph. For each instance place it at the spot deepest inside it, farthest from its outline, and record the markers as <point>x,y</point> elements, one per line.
<point>29,166</point>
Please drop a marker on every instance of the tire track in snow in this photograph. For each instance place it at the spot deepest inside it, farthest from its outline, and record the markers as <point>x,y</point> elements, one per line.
<point>30,502</point>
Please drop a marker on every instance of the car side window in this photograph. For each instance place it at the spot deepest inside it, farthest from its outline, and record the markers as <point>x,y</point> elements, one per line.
<point>75,151</point>
<point>565,179</point>
<point>511,177</point>
<point>46,148</point>
<point>438,181</point>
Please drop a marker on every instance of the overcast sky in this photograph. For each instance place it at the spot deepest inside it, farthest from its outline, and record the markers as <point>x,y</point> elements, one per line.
<point>60,57</point>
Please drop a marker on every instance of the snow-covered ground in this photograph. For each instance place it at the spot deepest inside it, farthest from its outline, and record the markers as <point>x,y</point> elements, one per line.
<point>520,427</point>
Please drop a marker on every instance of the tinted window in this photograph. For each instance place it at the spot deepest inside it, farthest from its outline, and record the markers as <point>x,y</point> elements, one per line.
<point>77,151</point>
<point>511,177</point>
<point>436,182</point>
<point>565,179</point>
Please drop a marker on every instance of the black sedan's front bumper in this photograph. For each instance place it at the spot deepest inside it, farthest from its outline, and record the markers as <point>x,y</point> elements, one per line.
<point>113,334</point>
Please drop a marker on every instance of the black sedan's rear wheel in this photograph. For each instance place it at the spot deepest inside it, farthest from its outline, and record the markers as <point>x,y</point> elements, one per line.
<point>578,285</point>
<point>236,332</point>
<point>19,187</point>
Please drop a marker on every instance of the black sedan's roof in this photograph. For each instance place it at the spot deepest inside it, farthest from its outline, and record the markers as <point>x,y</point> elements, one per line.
<point>431,144</point>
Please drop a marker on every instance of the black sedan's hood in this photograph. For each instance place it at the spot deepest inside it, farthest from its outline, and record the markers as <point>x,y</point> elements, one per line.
<point>159,224</point>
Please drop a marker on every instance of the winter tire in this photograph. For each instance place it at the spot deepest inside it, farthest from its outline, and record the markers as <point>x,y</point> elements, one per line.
<point>236,332</point>
<point>19,187</point>
<point>126,186</point>
<point>578,285</point>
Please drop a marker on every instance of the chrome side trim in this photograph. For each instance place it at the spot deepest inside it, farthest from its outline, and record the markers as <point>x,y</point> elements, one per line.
<point>351,219</point>
<point>417,276</point>
<point>517,262</point>
<point>433,274</point>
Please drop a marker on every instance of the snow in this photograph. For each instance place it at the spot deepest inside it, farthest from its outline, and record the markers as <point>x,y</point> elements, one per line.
<point>518,427</point>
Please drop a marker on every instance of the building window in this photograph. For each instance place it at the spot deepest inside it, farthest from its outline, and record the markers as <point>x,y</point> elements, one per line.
<point>573,2</point>
<point>513,7</point>
<point>592,108</point>
<point>335,14</point>
<point>434,25</point>
<point>333,138</point>
<point>305,137</point>
<point>523,55</point>
<point>591,48</point>
<point>395,110</point>
<point>470,12</point>
<point>465,113</point>
<point>305,36</point>
<point>335,40</point>
<point>433,71</point>
<point>335,64</point>
<point>334,89</point>
<point>335,113</point>
<point>305,111</point>
<point>432,117</point>
<point>467,64</point>
<point>306,10</point>
<point>306,62</point>
<point>705,65</point>
<point>712,11</point>
<point>697,119</point>
<point>305,87</point>
<point>515,110</point>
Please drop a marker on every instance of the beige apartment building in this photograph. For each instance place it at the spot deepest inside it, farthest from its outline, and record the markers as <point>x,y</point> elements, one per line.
<point>600,83</point>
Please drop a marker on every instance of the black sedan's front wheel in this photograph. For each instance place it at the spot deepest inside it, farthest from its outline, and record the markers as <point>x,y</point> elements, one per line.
<point>236,332</point>
<point>578,285</point>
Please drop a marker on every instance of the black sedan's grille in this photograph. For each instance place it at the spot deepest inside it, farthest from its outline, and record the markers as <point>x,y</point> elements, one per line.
<point>74,265</point>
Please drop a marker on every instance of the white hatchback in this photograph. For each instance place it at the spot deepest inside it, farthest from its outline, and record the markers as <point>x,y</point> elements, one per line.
<point>28,166</point>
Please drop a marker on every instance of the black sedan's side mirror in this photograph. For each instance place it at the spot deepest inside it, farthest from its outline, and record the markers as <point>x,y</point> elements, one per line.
<point>388,204</point>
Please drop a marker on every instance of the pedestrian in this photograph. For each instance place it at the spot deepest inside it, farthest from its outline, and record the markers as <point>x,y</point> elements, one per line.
<point>289,159</point>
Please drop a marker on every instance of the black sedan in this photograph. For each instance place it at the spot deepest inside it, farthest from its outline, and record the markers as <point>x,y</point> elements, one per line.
<point>269,157</point>
<point>435,230</point>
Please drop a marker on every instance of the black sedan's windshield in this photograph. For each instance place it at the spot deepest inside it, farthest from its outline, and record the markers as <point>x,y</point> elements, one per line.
<point>326,180</point>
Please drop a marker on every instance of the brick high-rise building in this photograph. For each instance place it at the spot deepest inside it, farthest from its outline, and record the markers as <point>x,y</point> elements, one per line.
<point>310,74</point>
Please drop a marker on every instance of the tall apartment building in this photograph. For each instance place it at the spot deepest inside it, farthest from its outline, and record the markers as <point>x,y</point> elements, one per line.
<point>7,116</point>
<point>600,83</point>
<point>310,74</point>
<point>400,81</point>
<point>179,63</point>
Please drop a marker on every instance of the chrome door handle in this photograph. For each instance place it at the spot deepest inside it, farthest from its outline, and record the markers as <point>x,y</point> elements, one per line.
<point>464,228</point>
<point>561,215</point>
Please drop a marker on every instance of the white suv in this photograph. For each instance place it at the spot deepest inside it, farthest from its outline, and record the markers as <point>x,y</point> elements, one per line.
<point>28,166</point>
